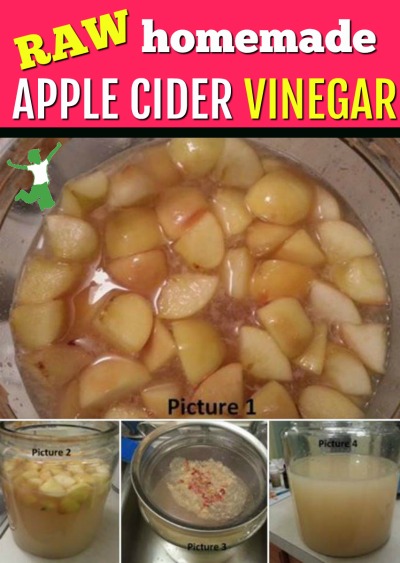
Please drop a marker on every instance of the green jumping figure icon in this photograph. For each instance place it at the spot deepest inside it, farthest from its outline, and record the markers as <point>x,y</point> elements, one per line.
<point>40,189</point>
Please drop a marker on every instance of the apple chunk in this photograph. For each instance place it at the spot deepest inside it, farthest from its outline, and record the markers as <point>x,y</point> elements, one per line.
<point>278,278</point>
<point>223,386</point>
<point>326,207</point>
<point>238,166</point>
<point>177,208</point>
<point>156,397</point>
<point>330,305</point>
<point>130,231</point>
<point>56,364</point>
<point>184,295</point>
<point>196,157</point>
<point>70,238</point>
<point>237,269</point>
<point>156,161</point>
<point>263,238</point>
<point>39,324</point>
<point>202,245</point>
<point>200,348</point>
<point>159,349</point>
<point>90,190</point>
<point>301,248</point>
<point>131,186</point>
<point>273,401</point>
<point>282,197</point>
<point>126,322</point>
<point>313,357</point>
<point>261,356</point>
<point>318,401</point>
<point>110,380</point>
<point>368,341</point>
<point>345,372</point>
<point>229,207</point>
<point>362,280</point>
<point>44,280</point>
<point>142,273</point>
<point>288,324</point>
<point>342,241</point>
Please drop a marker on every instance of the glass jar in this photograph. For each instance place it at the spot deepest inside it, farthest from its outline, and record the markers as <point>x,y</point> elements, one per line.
<point>343,477</point>
<point>222,450</point>
<point>55,478</point>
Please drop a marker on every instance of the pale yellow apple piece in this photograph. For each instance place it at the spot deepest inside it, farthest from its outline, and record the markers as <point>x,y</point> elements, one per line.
<point>56,364</point>
<point>90,190</point>
<point>301,248</point>
<point>318,401</point>
<point>279,278</point>
<point>156,161</point>
<point>195,157</point>
<point>202,245</point>
<point>68,404</point>
<point>261,356</point>
<point>39,324</point>
<point>368,342</point>
<point>345,372</point>
<point>109,381</point>
<point>238,166</point>
<point>142,273</point>
<point>223,386</point>
<point>282,197</point>
<point>313,357</point>
<point>44,280</point>
<point>330,305</point>
<point>362,280</point>
<point>159,349</point>
<point>70,238</point>
<point>156,397</point>
<point>178,208</point>
<point>263,238</point>
<point>184,295</point>
<point>86,304</point>
<point>271,163</point>
<point>288,324</point>
<point>131,186</point>
<point>273,401</point>
<point>325,207</point>
<point>52,488</point>
<point>341,241</point>
<point>130,231</point>
<point>200,348</point>
<point>231,211</point>
<point>126,322</point>
<point>237,269</point>
<point>69,205</point>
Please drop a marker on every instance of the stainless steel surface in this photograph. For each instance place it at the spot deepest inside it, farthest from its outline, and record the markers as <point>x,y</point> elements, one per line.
<point>365,172</point>
<point>140,544</point>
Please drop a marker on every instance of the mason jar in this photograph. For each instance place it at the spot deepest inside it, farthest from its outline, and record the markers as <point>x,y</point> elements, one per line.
<point>343,478</point>
<point>55,478</point>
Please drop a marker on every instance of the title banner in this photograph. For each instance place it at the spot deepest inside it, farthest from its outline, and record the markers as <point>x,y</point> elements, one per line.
<point>151,64</point>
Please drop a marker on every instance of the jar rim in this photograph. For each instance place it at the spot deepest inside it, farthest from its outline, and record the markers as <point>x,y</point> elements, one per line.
<point>20,431</point>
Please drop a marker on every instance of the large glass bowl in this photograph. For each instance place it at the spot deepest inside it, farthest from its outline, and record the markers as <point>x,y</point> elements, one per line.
<point>365,172</point>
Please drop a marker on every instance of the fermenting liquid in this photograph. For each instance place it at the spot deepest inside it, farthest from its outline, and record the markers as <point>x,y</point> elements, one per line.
<point>344,502</point>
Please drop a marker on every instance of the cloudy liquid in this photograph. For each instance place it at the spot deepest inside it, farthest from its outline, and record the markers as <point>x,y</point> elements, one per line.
<point>344,502</point>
